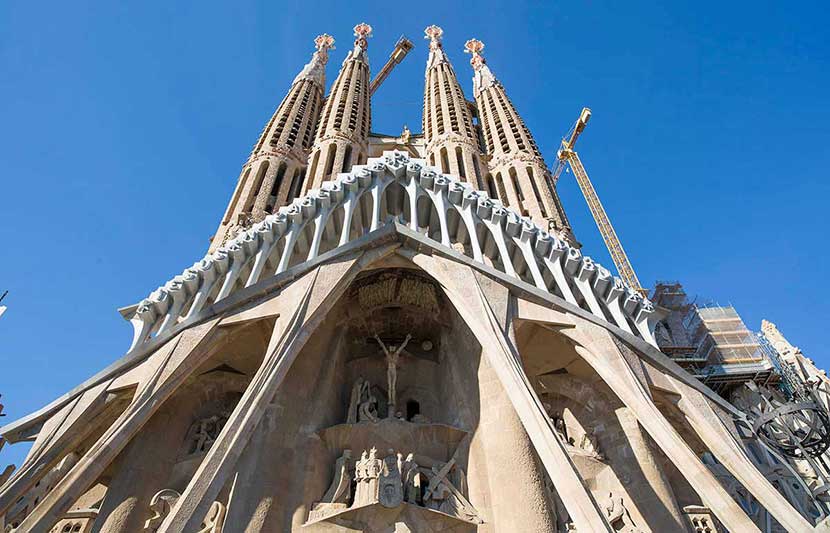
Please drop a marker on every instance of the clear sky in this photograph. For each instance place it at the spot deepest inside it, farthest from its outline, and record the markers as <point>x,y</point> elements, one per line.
<point>124,129</point>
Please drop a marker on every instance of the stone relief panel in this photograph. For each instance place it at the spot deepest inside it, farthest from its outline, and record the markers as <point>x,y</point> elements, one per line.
<point>204,432</point>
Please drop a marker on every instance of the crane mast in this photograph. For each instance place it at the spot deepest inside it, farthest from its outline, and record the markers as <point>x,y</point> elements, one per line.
<point>567,155</point>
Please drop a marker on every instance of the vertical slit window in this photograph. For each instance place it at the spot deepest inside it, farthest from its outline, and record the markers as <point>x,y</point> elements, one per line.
<point>329,161</point>
<point>260,175</point>
<point>445,161</point>
<point>347,159</point>
<point>536,193</point>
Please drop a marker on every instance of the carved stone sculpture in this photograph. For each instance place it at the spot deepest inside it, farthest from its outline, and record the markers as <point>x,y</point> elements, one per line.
<point>391,482</point>
<point>367,473</point>
<point>161,504</point>
<point>367,410</point>
<point>340,490</point>
<point>411,480</point>
<point>394,481</point>
<point>354,401</point>
<point>215,519</point>
<point>204,432</point>
<point>618,515</point>
<point>393,354</point>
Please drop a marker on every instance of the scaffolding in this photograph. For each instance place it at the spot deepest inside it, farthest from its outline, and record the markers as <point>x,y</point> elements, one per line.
<point>721,335</point>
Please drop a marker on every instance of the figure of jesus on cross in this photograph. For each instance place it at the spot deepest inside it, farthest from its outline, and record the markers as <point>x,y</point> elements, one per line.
<point>393,353</point>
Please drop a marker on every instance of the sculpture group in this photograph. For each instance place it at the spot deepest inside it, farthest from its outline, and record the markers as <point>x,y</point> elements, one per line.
<point>394,480</point>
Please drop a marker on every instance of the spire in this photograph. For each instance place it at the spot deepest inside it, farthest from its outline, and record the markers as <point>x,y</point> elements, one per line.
<point>272,175</point>
<point>452,141</point>
<point>346,118</point>
<point>315,70</point>
<point>521,179</point>
<point>483,78</point>
<point>436,49</point>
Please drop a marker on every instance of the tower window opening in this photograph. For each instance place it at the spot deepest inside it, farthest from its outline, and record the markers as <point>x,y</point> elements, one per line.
<point>476,168</point>
<point>491,187</point>
<point>519,195</point>
<point>295,185</point>
<point>260,176</point>
<point>329,161</point>
<point>445,161</point>
<point>459,159</point>
<point>313,169</point>
<point>347,159</point>
<point>502,192</point>
<point>536,193</point>
<point>278,181</point>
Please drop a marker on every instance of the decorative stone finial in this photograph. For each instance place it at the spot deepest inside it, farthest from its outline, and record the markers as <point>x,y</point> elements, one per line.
<point>434,34</point>
<point>482,78</point>
<point>362,31</point>
<point>324,42</point>
<point>474,47</point>
<point>315,70</point>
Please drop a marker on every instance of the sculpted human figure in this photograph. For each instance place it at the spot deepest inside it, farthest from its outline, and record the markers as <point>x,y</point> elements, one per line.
<point>393,354</point>
<point>371,473</point>
<point>360,476</point>
<point>391,486</point>
<point>368,409</point>
<point>354,401</point>
<point>202,434</point>
<point>411,480</point>
<point>340,489</point>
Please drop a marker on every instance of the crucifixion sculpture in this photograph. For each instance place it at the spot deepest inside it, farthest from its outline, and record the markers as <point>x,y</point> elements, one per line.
<point>393,354</point>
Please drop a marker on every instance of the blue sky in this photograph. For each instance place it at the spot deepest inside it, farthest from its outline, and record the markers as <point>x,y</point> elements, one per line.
<point>124,128</point>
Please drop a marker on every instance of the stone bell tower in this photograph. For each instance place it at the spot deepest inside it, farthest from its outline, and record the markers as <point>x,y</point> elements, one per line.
<point>522,178</point>
<point>344,127</point>
<point>272,175</point>
<point>451,140</point>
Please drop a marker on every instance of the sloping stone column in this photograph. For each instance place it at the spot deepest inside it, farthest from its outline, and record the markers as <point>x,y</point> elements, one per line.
<point>723,445</point>
<point>597,348</point>
<point>300,308</point>
<point>463,289</point>
<point>178,358</point>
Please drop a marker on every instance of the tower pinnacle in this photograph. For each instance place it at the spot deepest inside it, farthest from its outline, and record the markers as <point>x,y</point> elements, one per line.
<point>482,78</point>
<point>362,32</point>
<point>315,70</point>
<point>436,49</point>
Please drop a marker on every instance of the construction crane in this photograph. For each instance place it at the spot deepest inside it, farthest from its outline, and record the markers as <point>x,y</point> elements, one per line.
<point>402,47</point>
<point>566,154</point>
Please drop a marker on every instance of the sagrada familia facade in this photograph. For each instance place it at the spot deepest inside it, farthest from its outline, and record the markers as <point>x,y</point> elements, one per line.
<point>402,334</point>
